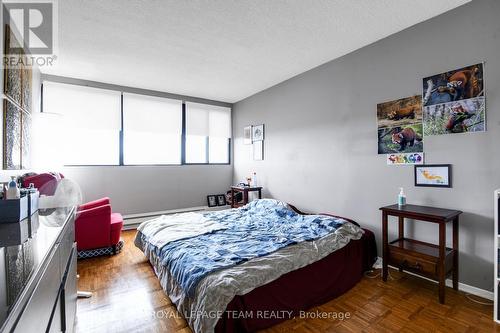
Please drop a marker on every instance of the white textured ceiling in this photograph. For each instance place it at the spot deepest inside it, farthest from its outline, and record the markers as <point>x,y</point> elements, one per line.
<point>221,49</point>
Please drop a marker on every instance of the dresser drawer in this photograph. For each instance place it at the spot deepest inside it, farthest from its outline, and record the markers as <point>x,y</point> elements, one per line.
<point>412,263</point>
<point>66,245</point>
<point>36,316</point>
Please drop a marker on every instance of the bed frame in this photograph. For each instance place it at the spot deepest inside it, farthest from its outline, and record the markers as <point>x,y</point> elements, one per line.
<point>299,290</point>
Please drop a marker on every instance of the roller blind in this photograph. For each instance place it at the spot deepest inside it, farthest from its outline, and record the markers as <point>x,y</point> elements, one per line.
<point>152,128</point>
<point>152,114</point>
<point>83,107</point>
<point>208,120</point>
<point>92,120</point>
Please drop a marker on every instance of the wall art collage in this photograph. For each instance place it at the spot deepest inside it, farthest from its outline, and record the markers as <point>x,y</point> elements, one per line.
<point>451,102</point>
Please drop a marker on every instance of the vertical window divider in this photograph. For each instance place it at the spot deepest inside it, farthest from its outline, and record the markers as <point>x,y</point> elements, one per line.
<point>121,129</point>
<point>183,134</point>
<point>207,149</point>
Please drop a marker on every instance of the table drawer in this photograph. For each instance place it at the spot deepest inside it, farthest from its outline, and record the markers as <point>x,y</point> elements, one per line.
<point>412,263</point>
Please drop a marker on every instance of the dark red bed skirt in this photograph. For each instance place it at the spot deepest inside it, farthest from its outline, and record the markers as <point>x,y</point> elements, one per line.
<point>301,289</point>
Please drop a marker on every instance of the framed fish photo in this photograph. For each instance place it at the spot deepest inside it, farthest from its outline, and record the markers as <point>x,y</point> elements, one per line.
<point>433,175</point>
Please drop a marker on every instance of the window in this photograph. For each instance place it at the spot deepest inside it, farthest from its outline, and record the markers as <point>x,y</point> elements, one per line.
<point>108,127</point>
<point>208,131</point>
<point>152,128</point>
<point>91,119</point>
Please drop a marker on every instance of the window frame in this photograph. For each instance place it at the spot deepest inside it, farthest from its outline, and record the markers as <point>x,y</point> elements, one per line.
<point>207,142</point>
<point>121,134</point>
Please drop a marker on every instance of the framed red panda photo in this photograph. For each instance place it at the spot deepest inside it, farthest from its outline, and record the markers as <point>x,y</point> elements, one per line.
<point>433,175</point>
<point>454,101</point>
<point>399,124</point>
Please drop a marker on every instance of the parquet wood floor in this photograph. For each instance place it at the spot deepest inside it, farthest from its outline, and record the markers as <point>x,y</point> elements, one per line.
<point>127,297</point>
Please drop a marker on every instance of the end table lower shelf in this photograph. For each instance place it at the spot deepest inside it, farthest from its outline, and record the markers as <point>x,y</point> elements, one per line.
<point>419,257</point>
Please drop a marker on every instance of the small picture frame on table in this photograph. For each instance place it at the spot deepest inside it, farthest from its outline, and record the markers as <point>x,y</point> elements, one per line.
<point>433,175</point>
<point>212,200</point>
<point>221,200</point>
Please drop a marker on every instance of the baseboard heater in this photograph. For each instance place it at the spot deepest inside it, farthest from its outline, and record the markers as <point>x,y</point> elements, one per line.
<point>131,221</point>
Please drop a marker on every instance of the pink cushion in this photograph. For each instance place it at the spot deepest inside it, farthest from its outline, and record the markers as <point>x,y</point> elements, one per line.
<point>116,228</point>
<point>95,203</point>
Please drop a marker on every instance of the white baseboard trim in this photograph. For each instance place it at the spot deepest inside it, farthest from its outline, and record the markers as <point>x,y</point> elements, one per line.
<point>130,221</point>
<point>461,286</point>
<point>472,290</point>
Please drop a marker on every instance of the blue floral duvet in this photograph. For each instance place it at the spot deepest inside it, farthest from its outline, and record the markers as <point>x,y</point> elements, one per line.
<point>255,230</point>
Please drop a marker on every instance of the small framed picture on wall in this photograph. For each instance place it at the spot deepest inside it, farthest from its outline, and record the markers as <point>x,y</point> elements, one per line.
<point>247,135</point>
<point>258,151</point>
<point>258,133</point>
<point>433,175</point>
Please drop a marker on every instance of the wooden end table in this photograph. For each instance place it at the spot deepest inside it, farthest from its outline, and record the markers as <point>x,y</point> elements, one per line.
<point>432,261</point>
<point>244,190</point>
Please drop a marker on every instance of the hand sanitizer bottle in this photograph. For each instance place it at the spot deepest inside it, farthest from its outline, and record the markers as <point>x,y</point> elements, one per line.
<point>401,197</point>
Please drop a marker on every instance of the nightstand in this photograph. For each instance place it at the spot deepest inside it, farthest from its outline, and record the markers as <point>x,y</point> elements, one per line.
<point>244,190</point>
<point>430,260</point>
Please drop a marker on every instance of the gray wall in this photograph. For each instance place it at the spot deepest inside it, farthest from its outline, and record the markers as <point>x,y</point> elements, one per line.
<point>142,189</point>
<point>321,134</point>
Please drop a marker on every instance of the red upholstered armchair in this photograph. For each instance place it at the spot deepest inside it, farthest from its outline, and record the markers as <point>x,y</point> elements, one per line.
<point>97,228</point>
<point>46,183</point>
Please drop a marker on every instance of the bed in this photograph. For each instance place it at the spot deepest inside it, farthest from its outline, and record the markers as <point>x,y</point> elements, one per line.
<point>245,269</point>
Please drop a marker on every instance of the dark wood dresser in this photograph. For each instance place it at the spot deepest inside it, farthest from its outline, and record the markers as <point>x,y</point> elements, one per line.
<point>430,260</point>
<point>38,273</point>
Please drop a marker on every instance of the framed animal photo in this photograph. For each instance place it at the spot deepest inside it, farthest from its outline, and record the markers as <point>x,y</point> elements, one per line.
<point>404,111</point>
<point>455,85</point>
<point>400,139</point>
<point>399,125</point>
<point>454,101</point>
<point>433,175</point>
